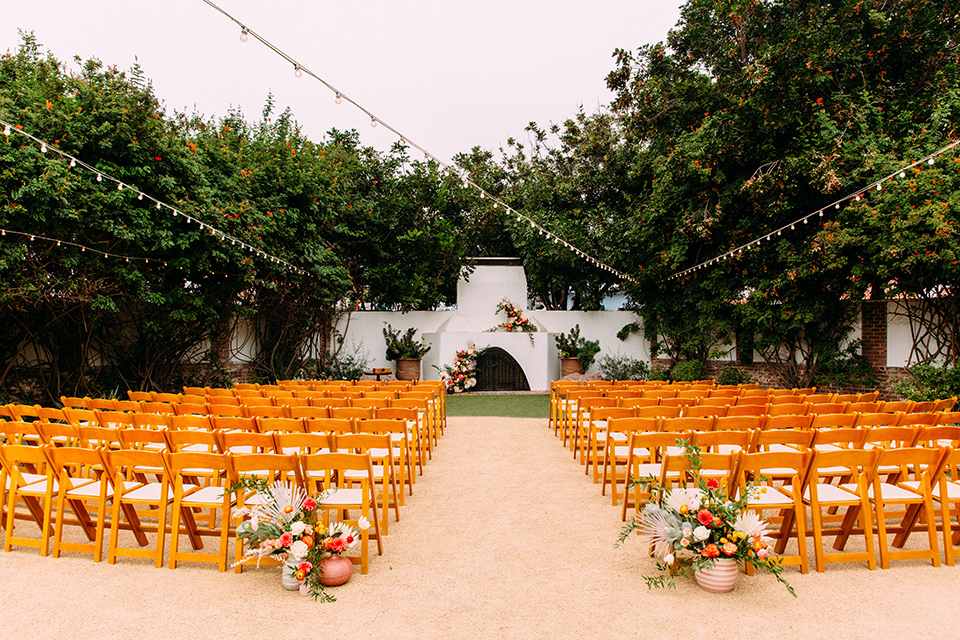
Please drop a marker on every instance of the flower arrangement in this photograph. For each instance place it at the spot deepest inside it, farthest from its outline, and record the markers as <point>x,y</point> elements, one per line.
<point>689,529</point>
<point>285,526</point>
<point>515,321</point>
<point>462,374</point>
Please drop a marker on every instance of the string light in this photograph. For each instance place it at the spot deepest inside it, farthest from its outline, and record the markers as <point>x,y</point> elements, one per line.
<point>140,194</point>
<point>297,71</point>
<point>244,35</point>
<point>374,120</point>
<point>930,160</point>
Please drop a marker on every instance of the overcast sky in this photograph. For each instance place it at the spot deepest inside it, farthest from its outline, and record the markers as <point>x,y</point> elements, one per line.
<point>449,75</point>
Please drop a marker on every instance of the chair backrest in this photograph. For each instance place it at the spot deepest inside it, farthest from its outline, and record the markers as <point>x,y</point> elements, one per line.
<point>686,424</point>
<point>863,407</point>
<point>834,421</point>
<point>900,406</point>
<point>190,398</point>
<point>293,442</point>
<point>747,410</point>
<point>195,391</point>
<point>301,413</point>
<point>890,437</point>
<point>268,411</point>
<point>93,437</point>
<point>73,402</point>
<point>676,466</point>
<point>193,440</point>
<point>191,409</point>
<point>658,412</point>
<point>328,425</point>
<point>370,403</point>
<point>357,413</point>
<point>143,438</point>
<point>799,422</point>
<point>279,425</point>
<point>879,419</point>
<point>165,397</point>
<point>789,409</point>
<point>949,418</point>
<point>634,402</point>
<point>711,441</point>
<point>17,431</point>
<point>819,398</point>
<point>58,433</point>
<point>705,411</point>
<point>152,420</point>
<point>763,440</point>
<point>844,438</point>
<point>245,442</point>
<point>115,419</point>
<point>137,396</point>
<point>738,423</point>
<point>270,467</point>
<point>940,435</point>
<point>81,417</point>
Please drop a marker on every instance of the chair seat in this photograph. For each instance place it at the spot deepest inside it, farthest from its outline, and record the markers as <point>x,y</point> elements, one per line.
<point>203,497</point>
<point>889,492</point>
<point>953,489</point>
<point>149,492</point>
<point>833,494</point>
<point>770,496</point>
<point>360,475</point>
<point>89,490</point>
<point>343,497</point>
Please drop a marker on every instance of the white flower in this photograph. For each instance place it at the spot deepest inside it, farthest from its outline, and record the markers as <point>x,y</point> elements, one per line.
<point>299,549</point>
<point>678,498</point>
<point>296,528</point>
<point>363,523</point>
<point>661,527</point>
<point>750,524</point>
<point>668,559</point>
<point>701,533</point>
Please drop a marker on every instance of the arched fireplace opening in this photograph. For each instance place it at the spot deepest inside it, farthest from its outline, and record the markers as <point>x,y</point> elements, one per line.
<point>497,370</point>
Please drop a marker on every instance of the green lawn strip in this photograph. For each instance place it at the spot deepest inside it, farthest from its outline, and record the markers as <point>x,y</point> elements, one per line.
<point>511,406</point>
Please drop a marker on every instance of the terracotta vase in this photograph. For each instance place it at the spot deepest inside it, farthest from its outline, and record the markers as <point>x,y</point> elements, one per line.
<point>408,370</point>
<point>721,578</point>
<point>335,570</point>
<point>569,366</point>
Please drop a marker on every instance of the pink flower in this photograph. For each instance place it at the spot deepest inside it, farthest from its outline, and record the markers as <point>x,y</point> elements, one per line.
<point>729,548</point>
<point>309,504</point>
<point>704,517</point>
<point>305,567</point>
<point>286,539</point>
<point>762,554</point>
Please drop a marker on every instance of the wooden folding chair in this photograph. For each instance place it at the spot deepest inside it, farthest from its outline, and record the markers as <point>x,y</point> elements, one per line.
<point>129,495</point>
<point>182,468</point>
<point>617,451</point>
<point>791,512</point>
<point>595,436</point>
<point>378,445</point>
<point>334,468</point>
<point>913,495</point>
<point>400,451</point>
<point>269,467</point>
<point>31,481</point>
<point>80,480</point>
<point>860,465</point>
<point>415,430</point>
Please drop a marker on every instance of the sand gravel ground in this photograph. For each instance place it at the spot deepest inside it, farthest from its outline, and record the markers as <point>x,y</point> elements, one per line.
<point>504,537</point>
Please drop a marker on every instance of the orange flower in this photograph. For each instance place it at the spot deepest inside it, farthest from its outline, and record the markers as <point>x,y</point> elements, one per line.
<point>710,551</point>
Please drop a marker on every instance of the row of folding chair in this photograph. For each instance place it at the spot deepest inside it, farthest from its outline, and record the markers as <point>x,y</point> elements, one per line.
<point>141,485</point>
<point>617,456</point>
<point>870,485</point>
<point>590,427</point>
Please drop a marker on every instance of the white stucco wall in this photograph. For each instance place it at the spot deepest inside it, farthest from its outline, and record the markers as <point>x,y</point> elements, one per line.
<point>477,298</point>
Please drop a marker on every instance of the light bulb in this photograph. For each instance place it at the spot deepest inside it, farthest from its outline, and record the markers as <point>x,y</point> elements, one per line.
<point>297,71</point>
<point>930,161</point>
<point>99,178</point>
<point>373,122</point>
<point>43,148</point>
<point>6,130</point>
<point>339,99</point>
<point>120,187</point>
<point>878,187</point>
<point>903,174</point>
<point>158,205</point>
<point>244,34</point>
<point>73,162</point>
<point>140,196</point>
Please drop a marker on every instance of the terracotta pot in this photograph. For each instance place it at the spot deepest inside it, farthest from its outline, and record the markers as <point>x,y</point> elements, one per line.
<point>721,578</point>
<point>569,366</point>
<point>408,370</point>
<point>335,570</point>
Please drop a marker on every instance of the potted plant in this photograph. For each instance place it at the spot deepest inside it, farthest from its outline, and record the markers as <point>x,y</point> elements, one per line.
<point>576,352</point>
<point>407,351</point>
